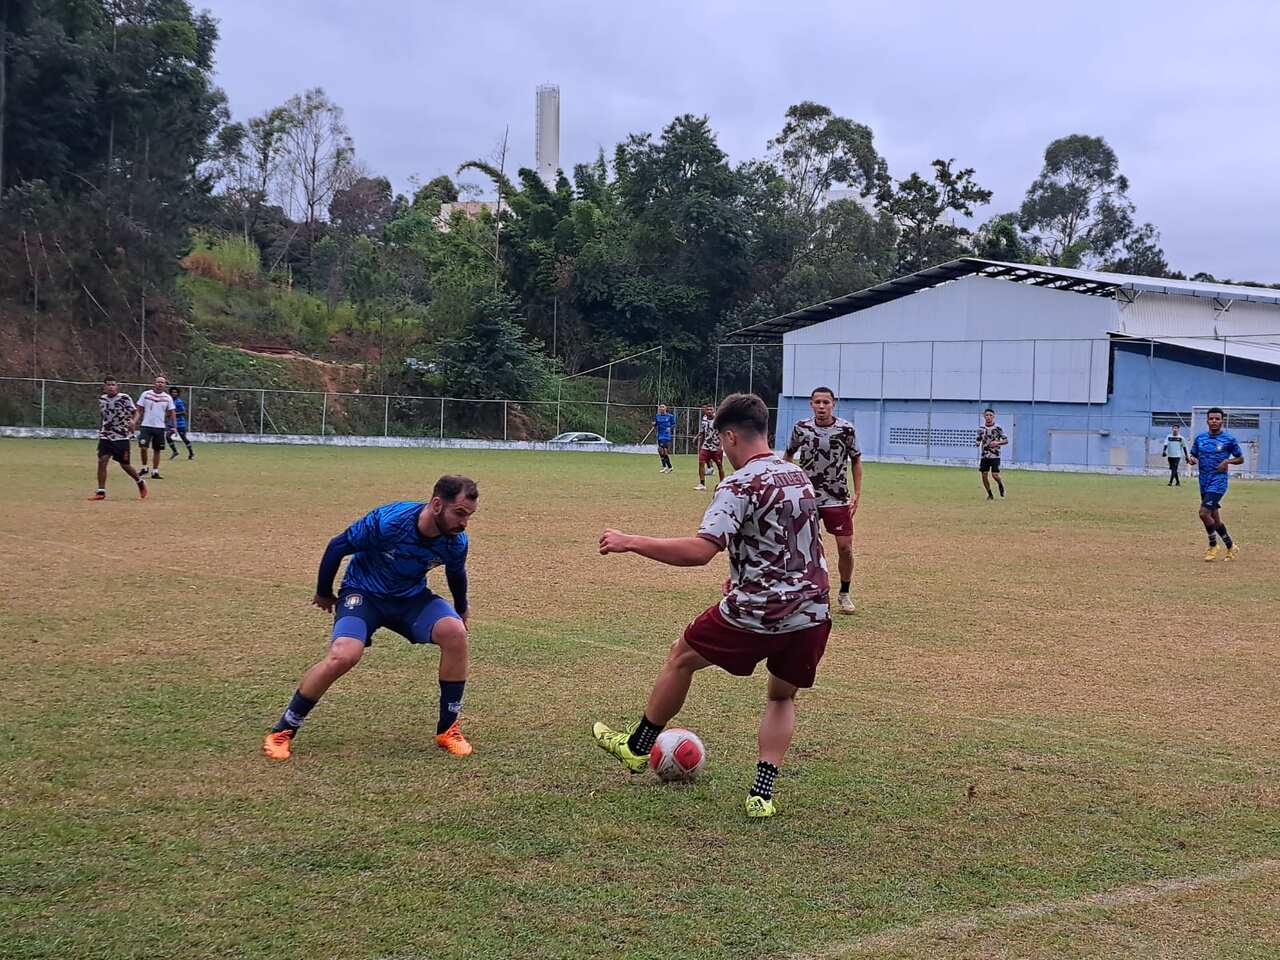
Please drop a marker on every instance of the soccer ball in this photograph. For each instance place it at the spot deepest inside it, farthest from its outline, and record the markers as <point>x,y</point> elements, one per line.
<point>677,756</point>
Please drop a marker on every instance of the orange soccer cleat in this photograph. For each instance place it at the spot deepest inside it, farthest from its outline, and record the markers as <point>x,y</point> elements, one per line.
<point>278,744</point>
<point>142,490</point>
<point>99,496</point>
<point>453,741</point>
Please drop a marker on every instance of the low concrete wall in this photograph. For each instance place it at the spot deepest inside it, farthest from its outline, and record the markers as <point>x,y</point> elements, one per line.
<point>66,433</point>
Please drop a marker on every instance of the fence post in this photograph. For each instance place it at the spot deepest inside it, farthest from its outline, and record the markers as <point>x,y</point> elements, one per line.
<point>1088,410</point>
<point>504,421</point>
<point>191,409</point>
<point>42,386</point>
<point>262,410</point>
<point>751,369</point>
<point>717,397</point>
<point>442,418</point>
<point>386,416</point>
<point>928,420</point>
<point>608,392</point>
<point>324,406</point>
<point>559,388</point>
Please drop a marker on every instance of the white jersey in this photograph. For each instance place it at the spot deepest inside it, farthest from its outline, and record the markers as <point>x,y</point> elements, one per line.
<point>155,408</point>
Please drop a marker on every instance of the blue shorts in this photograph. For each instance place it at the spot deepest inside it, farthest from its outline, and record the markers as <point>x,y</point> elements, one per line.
<point>359,614</point>
<point>1211,499</point>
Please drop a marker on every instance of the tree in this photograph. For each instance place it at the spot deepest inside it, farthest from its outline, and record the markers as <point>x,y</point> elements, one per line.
<point>816,150</point>
<point>1078,207</point>
<point>999,239</point>
<point>1141,255</point>
<point>440,189</point>
<point>318,154</point>
<point>363,208</point>
<point>250,158</point>
<point>491,358</point>
<point>919,207</point>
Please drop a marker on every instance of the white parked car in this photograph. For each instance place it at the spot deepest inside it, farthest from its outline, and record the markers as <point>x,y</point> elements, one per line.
<point>578,437</point>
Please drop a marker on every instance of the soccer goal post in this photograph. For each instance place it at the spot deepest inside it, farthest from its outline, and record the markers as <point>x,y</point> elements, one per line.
<point>1256,428</point>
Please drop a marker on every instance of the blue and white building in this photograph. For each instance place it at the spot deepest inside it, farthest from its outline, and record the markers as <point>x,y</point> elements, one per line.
<point>1086,370</point>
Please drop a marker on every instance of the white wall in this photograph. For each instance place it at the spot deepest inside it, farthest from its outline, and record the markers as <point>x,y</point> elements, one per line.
<point>967,340</point>
<point>1156,315</point>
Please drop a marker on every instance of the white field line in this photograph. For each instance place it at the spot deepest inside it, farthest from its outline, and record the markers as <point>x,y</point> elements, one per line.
<point>905,706</point>
<point>951,928</point>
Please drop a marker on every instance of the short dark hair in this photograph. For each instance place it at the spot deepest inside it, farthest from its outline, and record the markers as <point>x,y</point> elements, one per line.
<point>827,390</point>
<point>108,379</point>
<point>452,485</point>
<point>1218,410</point>
<point>176,390</point>
<point>744,412</point>
<point>988,410</point>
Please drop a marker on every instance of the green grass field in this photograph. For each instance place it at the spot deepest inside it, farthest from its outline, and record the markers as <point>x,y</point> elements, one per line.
<point>1050,731</point>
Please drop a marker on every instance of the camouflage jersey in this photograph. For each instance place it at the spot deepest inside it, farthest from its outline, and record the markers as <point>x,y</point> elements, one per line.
<point>117,417</point>
<point>766,516</point>
<point>988,438</point>
<point>825,453</point>
<point>709,435</point>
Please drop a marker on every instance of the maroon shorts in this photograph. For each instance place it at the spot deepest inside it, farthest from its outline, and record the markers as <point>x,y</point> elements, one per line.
<point>837,520</point>
<point>792,657</point>
<point>710,456</point>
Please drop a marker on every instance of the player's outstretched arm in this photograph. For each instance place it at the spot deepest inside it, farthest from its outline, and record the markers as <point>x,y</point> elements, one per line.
<point>675,551</point>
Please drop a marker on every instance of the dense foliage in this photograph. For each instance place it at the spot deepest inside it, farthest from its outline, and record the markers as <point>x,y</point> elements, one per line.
<point>117,154</point>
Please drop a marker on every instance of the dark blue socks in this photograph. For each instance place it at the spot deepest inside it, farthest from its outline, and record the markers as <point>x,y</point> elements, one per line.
<point>295,713</point>
<point>450,703</point>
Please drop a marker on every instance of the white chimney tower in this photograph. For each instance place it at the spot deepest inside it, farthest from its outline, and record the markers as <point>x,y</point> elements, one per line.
<point>546,151</point>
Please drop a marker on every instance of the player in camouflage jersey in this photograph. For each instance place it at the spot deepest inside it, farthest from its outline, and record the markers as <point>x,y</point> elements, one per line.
<point>117,412</point>
<point>826,446</point>
<point>775,605</point>
<point>990,439</point>
<point>709,450</point>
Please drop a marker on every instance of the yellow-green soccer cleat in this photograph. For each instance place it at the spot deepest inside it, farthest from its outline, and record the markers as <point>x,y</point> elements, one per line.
<point>1211,555</point>
<point>615,742</point>
<point>1231,552</point>
<point>758,807</point>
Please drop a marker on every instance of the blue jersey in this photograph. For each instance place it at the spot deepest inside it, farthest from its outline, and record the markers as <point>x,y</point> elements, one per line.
<point>666,423</point>
<point>392,558</point>
<point>180,412</point>
<point>1212,450</point>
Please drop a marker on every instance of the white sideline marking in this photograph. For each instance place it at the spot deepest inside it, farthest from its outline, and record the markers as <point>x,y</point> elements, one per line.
<point>904,706</point>
<point>957,927</point>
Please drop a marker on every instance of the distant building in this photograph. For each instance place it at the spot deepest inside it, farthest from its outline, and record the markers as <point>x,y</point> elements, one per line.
<point>469,208</point>
<point>1085,369</point>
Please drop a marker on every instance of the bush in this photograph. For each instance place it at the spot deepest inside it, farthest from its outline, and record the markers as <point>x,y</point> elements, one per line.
<point>232,260</point>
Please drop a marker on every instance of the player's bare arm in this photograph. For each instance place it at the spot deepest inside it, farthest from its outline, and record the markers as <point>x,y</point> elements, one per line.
<point>675,551</point>
<point>856,467</point>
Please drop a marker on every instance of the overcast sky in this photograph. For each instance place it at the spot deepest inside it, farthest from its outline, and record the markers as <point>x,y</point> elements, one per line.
<point>1187,93</point>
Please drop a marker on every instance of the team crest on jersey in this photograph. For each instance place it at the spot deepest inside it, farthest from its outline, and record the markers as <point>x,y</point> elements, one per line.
<point>353,601</point>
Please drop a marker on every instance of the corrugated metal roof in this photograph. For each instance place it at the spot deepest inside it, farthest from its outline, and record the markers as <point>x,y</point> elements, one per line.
<point>1088,282</point>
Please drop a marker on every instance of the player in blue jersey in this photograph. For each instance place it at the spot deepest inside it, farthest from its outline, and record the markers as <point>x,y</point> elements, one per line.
<point>665,424</point>
<point>1215,451</point>
<point>179,427</point>
<point>391,550</point>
